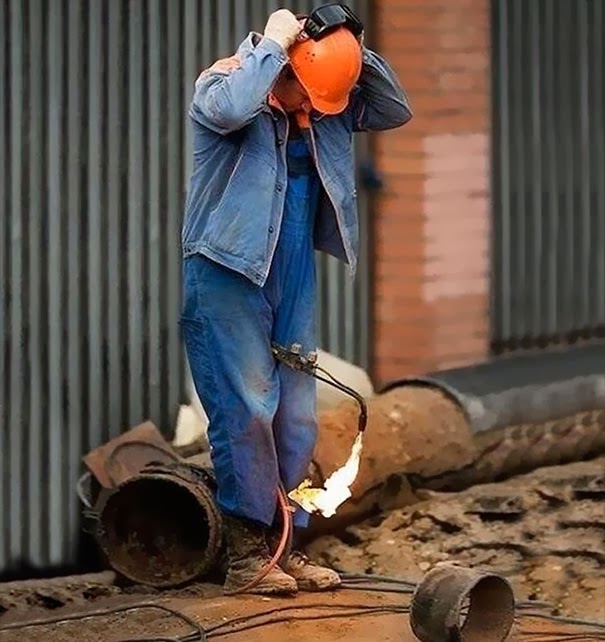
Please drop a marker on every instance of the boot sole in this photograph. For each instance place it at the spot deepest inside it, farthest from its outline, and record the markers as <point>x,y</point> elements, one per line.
<point>314,588</point>
<point>282,585</point>
<point>260,590</point>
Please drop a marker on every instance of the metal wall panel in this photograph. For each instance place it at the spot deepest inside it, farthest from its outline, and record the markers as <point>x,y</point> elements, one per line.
<point>549,163</point>
<point>94,159</point>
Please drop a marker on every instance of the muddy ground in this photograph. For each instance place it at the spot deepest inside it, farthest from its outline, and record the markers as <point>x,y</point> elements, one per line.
<point>351,614</point>
<point>545,531</point>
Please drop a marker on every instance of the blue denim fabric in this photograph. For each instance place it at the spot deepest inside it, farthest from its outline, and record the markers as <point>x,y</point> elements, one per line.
<point>262,415</point>
<point>236,192</point>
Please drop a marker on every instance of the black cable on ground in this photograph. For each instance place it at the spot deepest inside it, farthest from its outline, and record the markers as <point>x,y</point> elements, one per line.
<point>567,620</point>
<point>301,607</point>
<point>293,618</point>
<point>564,637</point>
<point>151,640</point>
<point>404,590</point>
<point>349,610</point>
<point>377,578</point>
<point>107,613</point>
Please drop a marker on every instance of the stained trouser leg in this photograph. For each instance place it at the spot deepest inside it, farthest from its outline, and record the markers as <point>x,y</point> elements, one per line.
<point>295,431</point>
<point>295,423</point>
<point>226,324</point>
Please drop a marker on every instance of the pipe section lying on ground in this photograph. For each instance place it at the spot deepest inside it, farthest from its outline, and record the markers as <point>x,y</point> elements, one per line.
<point>457,603</point>
<point>457,428</point>
<point>161,527</point>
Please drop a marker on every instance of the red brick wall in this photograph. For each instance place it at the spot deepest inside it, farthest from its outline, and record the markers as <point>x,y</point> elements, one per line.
<point>432,218</point>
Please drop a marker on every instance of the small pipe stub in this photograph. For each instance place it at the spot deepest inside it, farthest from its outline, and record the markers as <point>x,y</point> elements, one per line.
<point>457,604</point>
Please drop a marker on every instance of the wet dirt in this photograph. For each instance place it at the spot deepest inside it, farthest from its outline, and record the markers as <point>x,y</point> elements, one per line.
<point>545,531</point>
<point>351,615</point>
<point>41,597</point>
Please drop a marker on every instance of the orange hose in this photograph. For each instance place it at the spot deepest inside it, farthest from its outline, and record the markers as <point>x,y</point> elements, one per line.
<point>286,514</point>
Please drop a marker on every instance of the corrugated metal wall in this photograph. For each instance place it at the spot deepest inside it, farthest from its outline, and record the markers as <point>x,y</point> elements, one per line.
<point>549,169</point>
<point>94,158</point>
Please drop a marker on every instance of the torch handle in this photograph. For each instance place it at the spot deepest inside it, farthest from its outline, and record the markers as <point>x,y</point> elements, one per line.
<point>293,358</point>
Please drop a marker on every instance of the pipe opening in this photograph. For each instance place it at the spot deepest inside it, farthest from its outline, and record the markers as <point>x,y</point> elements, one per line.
<point>487,611</point>
<point>155,531</point>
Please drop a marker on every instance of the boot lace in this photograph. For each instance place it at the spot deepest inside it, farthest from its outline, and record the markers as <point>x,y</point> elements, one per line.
<point>297,558</point>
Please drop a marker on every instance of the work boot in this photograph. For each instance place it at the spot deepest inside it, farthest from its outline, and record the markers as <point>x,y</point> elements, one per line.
<point>309,576</point>
<point>248,556</point>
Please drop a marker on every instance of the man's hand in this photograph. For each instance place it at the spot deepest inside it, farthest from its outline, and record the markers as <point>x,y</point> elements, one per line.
<point>283,28</point>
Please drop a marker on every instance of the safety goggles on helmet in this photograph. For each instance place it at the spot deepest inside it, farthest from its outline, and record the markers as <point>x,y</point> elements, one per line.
<point>325,19</point>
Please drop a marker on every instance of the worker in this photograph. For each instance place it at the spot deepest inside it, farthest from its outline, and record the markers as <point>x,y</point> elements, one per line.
<point>272,181</point>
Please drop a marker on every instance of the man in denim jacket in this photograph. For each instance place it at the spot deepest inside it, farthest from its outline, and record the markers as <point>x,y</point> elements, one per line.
<point>272,181</point>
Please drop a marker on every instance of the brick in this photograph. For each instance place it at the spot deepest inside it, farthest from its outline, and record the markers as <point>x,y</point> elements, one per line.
<point>411,265</point>
<point>417,78</point>
<point>421,18</point>
<point>403,40</point>
<point>469,62</point>
<point>409,327</point>
<point>409,165</point>
<point>406,247</point>
<point>397,261</point>
<point>403,147</point>
<point>398,186</point>
<point>407,347</point>
<point>397,292</point>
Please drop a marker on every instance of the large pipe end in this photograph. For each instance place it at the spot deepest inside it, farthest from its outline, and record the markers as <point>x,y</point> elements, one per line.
<point>160,528</point>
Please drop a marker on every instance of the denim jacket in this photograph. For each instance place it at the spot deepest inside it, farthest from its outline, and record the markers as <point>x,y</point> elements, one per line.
<point>236,192</point>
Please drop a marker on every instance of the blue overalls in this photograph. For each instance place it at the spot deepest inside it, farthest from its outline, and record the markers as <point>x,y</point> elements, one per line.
<point>262,416</point>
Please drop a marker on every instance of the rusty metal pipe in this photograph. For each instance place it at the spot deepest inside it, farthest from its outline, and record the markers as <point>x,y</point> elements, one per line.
<point>453,603</point>
<point>420,437</point>
<point>161,527</point>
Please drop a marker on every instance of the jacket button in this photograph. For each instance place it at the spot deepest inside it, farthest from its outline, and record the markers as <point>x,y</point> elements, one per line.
<point>280,141</point>
<point>270,229</point>
<point>280,188</point>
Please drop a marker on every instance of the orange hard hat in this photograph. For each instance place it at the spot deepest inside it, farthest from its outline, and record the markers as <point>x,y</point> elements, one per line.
<point>328,69</point>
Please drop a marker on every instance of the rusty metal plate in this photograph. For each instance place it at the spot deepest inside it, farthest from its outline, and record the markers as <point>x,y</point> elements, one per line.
<point>126,455</point>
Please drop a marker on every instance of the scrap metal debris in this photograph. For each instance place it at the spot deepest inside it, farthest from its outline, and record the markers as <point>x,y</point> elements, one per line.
<point>456,603</point>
